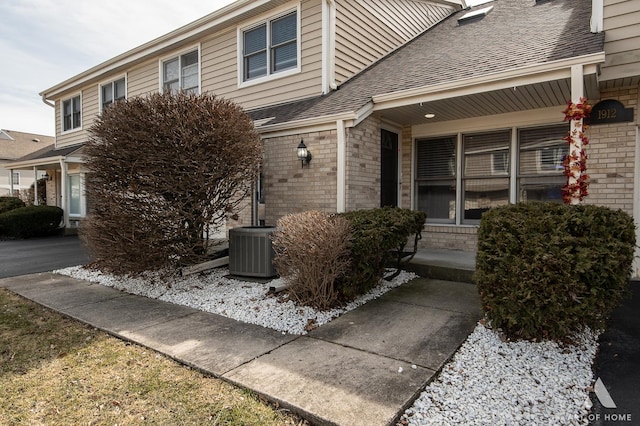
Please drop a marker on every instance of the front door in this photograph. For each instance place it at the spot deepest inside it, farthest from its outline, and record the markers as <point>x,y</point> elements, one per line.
<point>388,169</point>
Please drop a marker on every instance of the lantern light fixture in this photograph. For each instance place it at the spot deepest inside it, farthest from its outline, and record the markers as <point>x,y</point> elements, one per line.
<point>304,155</point>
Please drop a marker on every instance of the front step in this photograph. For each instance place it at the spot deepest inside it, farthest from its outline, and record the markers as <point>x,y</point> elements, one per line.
<point>448,265</point>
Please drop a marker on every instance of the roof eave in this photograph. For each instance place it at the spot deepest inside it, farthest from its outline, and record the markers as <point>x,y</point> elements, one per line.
<point>530,74</point>
<point>215,19</point>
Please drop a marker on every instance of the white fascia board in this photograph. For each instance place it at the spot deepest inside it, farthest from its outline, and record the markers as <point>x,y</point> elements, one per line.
<point>532,74</point>
<point>213,20</point>
<point>316,124</point>
<point>28,164</point>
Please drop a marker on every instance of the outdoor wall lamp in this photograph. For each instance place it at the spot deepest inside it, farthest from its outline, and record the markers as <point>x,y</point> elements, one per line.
<point>304,155</point>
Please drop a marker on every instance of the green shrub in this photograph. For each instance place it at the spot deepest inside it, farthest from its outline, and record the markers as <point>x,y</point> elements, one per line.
<point>31,221</point>
<point>312,252</point>
<point>375,233</point>
<point>10,203</point>
<point>545,270</point>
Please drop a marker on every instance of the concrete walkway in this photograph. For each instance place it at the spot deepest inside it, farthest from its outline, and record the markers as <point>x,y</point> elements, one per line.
<point>364,368</point>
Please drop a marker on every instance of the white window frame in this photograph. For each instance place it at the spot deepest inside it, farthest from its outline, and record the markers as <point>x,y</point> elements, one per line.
<point>178,55</point>
<point>62,102</point>
<point>83,202</point>
<point>276,14</point>
<point>111,82</point>
<point>15,181</point>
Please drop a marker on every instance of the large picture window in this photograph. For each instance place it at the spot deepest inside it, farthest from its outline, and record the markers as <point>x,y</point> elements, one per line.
<point>490,173</point>
<point>270,47</point>
<point>71,114</point>
<point>181,73</point>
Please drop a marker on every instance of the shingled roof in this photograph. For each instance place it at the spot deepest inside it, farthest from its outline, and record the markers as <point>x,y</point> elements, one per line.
<point>514,34</point>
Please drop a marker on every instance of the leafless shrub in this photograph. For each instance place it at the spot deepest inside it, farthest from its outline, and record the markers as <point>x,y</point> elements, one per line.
<point>165,170</point>
<point>312,252</point>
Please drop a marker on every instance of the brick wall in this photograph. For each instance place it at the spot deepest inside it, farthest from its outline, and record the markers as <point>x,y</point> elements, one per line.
<point>363,165</point>
<point>407,158</point>
<point>289,188</point>
<point>449,237</point>
<point>611,160</point>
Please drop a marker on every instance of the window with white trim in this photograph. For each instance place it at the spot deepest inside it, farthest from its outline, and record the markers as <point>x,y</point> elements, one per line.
<point>76,195</point>
<point>71,113</point>
<point>270,47</point>
<point>181,73</point>
<point>15,178</point>
<point>112,92</point>
<point>487,171</point>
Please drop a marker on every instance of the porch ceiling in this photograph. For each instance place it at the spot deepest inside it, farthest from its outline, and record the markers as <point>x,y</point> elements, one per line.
<point>520,98</point>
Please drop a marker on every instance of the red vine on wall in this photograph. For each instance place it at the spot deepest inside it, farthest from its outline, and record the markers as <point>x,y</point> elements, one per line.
<point>575,163</point>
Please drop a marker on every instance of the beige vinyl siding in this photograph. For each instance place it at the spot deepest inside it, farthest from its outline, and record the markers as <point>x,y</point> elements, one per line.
<point>143,79</point>
<point>367,30</point>
<point>89,97</point>
<point>622,39</point>
<point>220,65</point>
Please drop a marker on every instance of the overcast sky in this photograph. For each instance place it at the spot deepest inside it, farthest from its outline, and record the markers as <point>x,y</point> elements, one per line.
<point>44,42</point>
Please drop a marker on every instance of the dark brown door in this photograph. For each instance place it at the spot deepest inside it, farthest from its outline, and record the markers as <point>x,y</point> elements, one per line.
<point>388,169</point>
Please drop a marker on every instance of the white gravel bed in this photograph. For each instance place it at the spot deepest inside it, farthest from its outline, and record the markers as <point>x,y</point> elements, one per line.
<point>494,382</point>
<point>489,381</point>
<point>241,300</point>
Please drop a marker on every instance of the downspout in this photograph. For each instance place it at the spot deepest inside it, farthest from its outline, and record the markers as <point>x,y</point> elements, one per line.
<point>51,104</point>
<point>341,198</point>
<point>35,186</point>
<point>328,46</point>
<point>63,192</point>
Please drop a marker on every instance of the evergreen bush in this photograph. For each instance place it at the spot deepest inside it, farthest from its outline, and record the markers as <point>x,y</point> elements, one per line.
<point>10,203</point>
<point>376,233</point>
<point>31,221</point>
<point>545,270</point>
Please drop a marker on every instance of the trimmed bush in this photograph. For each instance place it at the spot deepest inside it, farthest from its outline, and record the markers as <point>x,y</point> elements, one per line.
<point>312,252</point>
<point>545,270</point>
<point>10,203</point>
<point>31,221</point>
<point>376,232</point>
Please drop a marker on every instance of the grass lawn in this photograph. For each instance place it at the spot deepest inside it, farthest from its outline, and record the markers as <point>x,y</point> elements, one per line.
<point>54,370</point>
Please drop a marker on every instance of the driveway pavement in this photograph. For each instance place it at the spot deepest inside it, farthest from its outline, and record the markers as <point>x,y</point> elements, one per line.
<point>22,257</point>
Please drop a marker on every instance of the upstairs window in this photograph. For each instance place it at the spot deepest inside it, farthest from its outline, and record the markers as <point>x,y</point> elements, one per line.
<point>71,114</point>
<point>112,92</point>
<point>270,47</point>
<point>181,73</point>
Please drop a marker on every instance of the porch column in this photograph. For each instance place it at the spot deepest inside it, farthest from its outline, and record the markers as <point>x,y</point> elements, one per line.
<point>35,186</point>
<point>63,192</point>
<point>11,182</point>
<point>577,92</point>
<point>341,167</point>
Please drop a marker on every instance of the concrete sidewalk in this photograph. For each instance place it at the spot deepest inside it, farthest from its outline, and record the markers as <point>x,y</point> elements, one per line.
<point>363,368</point>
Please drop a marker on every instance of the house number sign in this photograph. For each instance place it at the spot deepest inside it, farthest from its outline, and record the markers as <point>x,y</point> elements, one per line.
<point>610,111</point>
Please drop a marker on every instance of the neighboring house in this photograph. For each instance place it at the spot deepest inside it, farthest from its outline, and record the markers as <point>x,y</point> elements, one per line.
<point>421,104</point>
<point>14,145</point>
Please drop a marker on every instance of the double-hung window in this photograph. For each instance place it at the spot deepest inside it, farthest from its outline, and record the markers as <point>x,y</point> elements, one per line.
<point>181,73</point>
<point>71,113</point>
<point>270,47</point>
<point>112,92</point>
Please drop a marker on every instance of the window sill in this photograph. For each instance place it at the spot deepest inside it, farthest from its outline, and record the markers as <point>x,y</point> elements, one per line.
<point>271,77</point>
